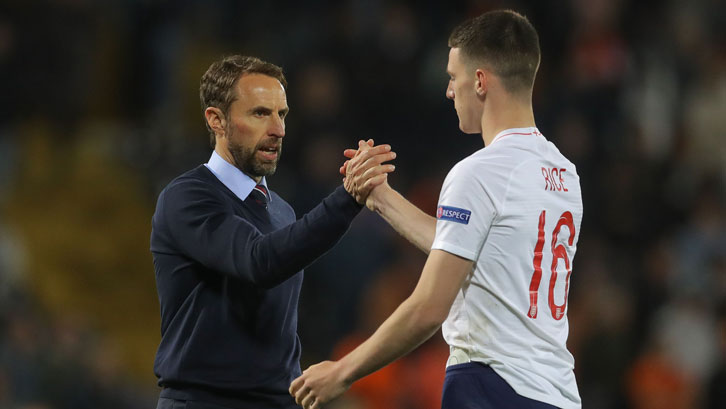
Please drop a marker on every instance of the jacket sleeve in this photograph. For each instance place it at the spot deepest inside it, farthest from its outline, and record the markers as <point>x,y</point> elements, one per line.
<point>205,228</point>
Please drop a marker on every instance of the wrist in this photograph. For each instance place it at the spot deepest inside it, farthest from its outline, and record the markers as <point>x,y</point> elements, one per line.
<point>376,200</point>
<point>344,203</point>
<point>345,370</point>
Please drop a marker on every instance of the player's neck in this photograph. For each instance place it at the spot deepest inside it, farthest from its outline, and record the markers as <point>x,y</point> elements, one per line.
<point>506,113</point>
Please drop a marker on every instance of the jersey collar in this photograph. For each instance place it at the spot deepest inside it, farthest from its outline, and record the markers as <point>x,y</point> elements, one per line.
<point>516,131</point>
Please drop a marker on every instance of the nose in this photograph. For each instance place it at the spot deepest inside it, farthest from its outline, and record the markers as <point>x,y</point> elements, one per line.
<point>449,91</point>
<point>277,126</point>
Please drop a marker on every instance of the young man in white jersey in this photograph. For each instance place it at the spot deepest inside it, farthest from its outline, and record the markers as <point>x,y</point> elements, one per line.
<point>500,248</point>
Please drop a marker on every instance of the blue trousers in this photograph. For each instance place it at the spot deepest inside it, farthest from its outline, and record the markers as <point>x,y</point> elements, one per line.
<point>167,403</point>
<point>476,386</point>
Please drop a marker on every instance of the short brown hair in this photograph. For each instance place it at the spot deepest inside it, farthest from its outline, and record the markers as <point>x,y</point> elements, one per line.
<point>216,89</point>
<point>505,42</point>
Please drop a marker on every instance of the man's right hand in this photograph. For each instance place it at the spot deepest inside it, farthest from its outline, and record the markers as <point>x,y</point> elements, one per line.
<point>365,170</point>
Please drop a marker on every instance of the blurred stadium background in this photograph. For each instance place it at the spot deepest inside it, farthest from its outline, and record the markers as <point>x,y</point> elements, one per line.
<point>99,109</point>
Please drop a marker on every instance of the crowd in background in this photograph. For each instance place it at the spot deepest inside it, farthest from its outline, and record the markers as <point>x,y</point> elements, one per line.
<point>99,110</point>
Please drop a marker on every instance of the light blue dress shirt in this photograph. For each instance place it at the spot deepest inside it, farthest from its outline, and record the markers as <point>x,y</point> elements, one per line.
<point>237,181</point>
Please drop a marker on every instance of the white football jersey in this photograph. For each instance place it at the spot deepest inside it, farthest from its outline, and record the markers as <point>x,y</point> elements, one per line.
<point>514,208</point>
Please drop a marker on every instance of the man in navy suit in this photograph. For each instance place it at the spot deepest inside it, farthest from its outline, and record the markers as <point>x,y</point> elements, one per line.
<point>228,251</point>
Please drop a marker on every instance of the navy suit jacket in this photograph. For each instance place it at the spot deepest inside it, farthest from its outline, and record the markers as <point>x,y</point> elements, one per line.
<point>228,275</point>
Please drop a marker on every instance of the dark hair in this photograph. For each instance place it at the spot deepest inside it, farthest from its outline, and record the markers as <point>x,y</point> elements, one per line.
<point>216,89</point>
<point>505,42</point>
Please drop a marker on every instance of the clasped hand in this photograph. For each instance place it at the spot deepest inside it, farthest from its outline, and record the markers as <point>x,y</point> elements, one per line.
<point>364,170</point>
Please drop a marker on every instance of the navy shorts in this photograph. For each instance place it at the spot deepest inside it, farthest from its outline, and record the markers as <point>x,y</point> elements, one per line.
<point>476,386</point>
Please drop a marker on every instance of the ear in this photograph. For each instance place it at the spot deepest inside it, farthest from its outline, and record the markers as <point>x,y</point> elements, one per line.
<point>215,119</point>
<point>481,84</point>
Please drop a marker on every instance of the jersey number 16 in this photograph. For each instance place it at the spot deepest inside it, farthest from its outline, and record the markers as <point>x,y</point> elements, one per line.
<point>558,252</point>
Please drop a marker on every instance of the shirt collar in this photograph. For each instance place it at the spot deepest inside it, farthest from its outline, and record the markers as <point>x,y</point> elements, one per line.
<point>237,181</point>
<point>516,131</point>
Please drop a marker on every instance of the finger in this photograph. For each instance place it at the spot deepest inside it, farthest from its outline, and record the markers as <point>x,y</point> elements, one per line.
<point>377,170</point>
<point>362,163</point>
<point>374,181</point>
<point>308,401</point>
<point>370,153</point>
<point>295,385</point>
<point>375,150</point>
<point>301,395</point>
<point>365,145</point>
<point>344,167</point>
<point>371,162</point>
<point>362,147</point>
<point>351,153</point>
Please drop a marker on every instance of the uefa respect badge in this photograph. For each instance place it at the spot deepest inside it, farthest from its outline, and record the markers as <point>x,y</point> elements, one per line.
<point>453,214</point>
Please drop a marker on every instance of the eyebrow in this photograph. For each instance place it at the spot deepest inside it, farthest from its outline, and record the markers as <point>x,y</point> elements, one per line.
<point>268,110</point>
<point>260,108</point>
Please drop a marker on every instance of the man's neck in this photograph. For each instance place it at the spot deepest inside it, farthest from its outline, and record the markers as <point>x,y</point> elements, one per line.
<point>224,154</point>
<point>505,114</point>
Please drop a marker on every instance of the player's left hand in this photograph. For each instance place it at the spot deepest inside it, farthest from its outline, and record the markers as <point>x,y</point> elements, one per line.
<point>318,384</point>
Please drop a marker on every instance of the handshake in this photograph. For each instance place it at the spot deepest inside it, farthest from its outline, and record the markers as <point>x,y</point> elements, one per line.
<point>365,170</point>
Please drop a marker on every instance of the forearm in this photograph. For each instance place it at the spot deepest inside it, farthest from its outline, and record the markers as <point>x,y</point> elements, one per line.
<point>205,229</point>
<point>284,252</point>
<point>413,322</point>
<point>407,328</point>
<point>408,220</point>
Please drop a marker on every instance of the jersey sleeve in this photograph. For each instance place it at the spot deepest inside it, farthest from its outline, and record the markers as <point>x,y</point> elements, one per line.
<point>466,209</point>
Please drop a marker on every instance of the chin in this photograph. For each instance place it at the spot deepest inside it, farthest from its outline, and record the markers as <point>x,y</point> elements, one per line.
<point>462,128</point>
<point>468,129</point>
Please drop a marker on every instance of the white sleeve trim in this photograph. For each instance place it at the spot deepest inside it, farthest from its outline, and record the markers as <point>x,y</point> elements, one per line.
<point>454,249</point>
